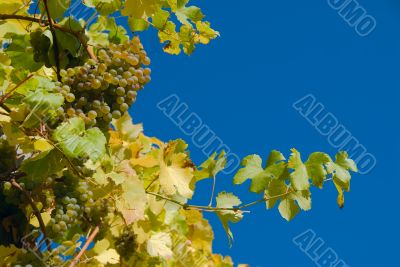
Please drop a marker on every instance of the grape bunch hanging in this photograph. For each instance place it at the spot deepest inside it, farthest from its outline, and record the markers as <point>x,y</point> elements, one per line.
<point>102,90</point>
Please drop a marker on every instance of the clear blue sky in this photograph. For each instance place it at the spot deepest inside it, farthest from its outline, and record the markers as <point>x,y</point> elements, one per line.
<point>243,85</point>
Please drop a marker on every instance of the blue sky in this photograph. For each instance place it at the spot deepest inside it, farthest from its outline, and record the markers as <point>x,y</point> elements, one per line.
<point>243,86</point>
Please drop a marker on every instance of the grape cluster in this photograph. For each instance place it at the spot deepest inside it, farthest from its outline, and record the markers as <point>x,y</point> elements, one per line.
<point>74,200</point>
<point>103,90</point>
<point>126,244</point>
<point>8,156</point>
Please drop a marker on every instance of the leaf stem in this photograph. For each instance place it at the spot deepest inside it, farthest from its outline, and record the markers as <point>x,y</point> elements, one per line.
<point>213,190</point>
<point>36,211</point>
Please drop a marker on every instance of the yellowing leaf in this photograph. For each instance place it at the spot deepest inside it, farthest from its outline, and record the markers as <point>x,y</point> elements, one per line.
<point>46,216</point>
<point>42,145</point>
<point>176,177</point>
<point>109,256</point>
<point>159,245</point>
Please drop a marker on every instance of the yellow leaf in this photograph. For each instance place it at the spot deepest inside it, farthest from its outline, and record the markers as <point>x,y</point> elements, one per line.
<point>42,145</point>
<point>110,256</point>
<point>46,216</point>
<point>177,176</point>
<point>101,246</point>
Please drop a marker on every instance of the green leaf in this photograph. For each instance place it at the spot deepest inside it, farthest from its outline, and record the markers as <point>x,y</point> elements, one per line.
<point>299,175</point>
<point>340,169</point>
<point>140,9</point>
<point>18,55</point>
<point>138,25</point>
<point>75,141</point>
<point>316,167</point>
<point>288,209</point>
<point>192,13</point>
<point>275,189</point>
<point>43,165</point>
<point>104,7</point>
<point>211,167</point>
<point>56,8</point>
<point>228,200</point>
<point>303,199</point>
<point>160,18</point>
<point>41,104</point>
<point>252,167</point>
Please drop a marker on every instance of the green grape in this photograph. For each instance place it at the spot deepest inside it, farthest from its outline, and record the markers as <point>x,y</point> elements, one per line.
<point>92,114</point>
<point>105,110</point>
<point>70,112</point>
<point>131,94</point>
<point>113,72</point>
<point>91,76</point>
<point>66,88</point>
<point>63,73</point>
<point>91,62</point>
<point>70,72</point>
<point>96,84</point>
<point>56,228</point>
<point>108,118</point>
<point>120,100</point>
<point>117,61</point>
<point>120,91</point>
<point>116,114</point>
<point>96,104</point>
<point>123,83</point>
<point>146,71</point>
<point>70,97</point>
<point>126,75</point>
<point>7,186</point>
<point>124,107</point>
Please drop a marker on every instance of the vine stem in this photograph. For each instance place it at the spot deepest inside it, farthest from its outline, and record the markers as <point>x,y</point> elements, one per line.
<point>8,94</point>
<point>75,261</point>
<point>15,184</point>
<point>55,43</point>
<point>78,35</point>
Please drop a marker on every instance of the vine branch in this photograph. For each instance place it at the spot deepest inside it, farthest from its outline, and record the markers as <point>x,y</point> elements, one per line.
<point>215,209</point>
<point>75,261</point>
<point>55,43</point>
<point>36,211</point>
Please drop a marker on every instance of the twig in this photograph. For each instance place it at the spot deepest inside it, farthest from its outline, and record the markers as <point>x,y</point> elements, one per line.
<point>213,190</point>
<point>15,184</point>
<point>75,261</point>
<point>8,94</point>
<point>55,43</point>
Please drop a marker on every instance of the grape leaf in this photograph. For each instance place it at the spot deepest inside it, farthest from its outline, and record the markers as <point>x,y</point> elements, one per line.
<point>43,165</point>
<point>228,200</point>
<point>211,167</point>
<point>159,245</point>
<point>17,53</point>
<point>288,209</point>
<point>75,141</point>
<point>299,175</point>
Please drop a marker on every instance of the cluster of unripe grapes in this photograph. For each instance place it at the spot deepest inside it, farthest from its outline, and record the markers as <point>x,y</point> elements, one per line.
<point>102,90</point>
<point>70,209</point>
<point>126,244</point>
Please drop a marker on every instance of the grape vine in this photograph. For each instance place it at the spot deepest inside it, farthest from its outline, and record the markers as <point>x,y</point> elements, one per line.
<point>80,183</point>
